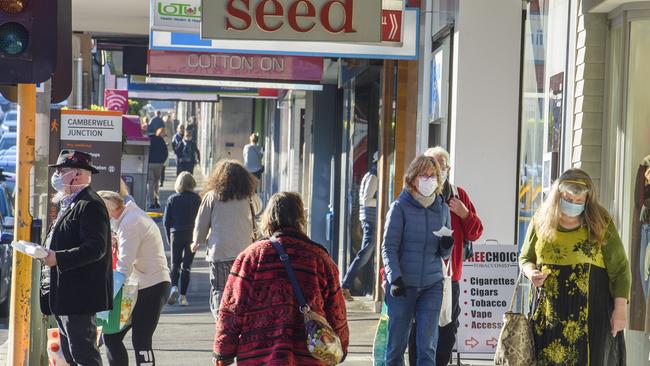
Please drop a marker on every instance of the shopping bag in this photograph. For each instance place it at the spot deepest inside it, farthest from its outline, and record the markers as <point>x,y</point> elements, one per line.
<point>123,303</point>
<point>381,338</point>
<point>54,352</point>
<point>447,307</point>
<point>516,346</point>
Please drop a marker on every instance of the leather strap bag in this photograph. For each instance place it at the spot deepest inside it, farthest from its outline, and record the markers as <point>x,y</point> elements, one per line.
<point>516,346</point>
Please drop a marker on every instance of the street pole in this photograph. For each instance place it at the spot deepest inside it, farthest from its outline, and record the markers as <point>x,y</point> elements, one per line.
<point>21,282</point>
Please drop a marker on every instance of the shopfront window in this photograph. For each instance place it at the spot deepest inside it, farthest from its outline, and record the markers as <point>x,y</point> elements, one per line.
<point>532,114</point>
<point>635,228</point>
<point>361,140</point>
<point>440,88</point>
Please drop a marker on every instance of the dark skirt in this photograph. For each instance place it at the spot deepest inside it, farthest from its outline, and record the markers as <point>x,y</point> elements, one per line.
<point>571,320</point>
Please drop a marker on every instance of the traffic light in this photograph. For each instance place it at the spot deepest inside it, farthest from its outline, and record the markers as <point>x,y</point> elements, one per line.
<point>28,35</point>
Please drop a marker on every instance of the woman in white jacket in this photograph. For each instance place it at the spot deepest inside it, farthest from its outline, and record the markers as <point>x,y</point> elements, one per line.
<point>141,258</point>
<point>225,222</point>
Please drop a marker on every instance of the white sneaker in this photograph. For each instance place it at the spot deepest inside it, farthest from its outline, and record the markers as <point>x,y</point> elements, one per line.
<point>173,296</point>
<point>183,301</point>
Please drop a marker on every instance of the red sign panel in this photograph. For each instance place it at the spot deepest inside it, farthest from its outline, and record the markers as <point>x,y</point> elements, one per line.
<point>236,66</point>
<point>116,100</point>
<point>391,25</point>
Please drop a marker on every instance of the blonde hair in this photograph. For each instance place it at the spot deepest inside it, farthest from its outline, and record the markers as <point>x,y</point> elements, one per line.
<point>113,200</point>
<point>124,190</point>
<point>422,165</point>
<point>184,183</point>
<point>284,210</point>
<point>434,152</point>
<point>575,182</point>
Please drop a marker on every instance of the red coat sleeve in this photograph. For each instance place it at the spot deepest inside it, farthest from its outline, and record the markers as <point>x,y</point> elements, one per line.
<point>335,309</point>
<point>472,225</point>
<point>232,310</point>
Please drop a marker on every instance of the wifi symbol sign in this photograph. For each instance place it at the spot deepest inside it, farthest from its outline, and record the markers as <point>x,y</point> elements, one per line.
<point>116,100</point>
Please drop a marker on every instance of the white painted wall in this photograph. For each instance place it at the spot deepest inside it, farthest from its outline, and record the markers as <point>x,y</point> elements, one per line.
<point>485,103</point>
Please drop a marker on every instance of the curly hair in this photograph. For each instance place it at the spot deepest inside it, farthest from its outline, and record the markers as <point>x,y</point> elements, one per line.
<point>230,181</point>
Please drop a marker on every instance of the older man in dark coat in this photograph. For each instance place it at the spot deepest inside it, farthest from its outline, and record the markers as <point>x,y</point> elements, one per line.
<point>78,278</point>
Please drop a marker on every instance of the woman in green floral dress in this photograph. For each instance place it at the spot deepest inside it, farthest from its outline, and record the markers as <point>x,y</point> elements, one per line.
<point>574,255</point>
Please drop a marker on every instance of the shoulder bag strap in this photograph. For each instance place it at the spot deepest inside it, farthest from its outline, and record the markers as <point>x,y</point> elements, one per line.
<point>250,205</point>
<point>304,308</point>
<point>454,191</point>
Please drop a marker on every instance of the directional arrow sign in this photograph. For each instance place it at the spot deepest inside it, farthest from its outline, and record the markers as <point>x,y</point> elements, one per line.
<point>492,342</point>
<point>391,25</point>
<point>472,342</point>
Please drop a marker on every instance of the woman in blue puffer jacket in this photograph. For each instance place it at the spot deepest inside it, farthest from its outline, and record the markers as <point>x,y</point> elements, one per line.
<point>412,256</point>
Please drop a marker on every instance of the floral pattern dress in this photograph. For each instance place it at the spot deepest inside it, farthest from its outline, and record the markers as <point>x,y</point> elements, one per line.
<point>571,317</point>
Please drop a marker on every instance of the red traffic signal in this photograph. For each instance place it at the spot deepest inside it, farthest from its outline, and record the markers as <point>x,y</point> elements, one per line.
<point>28,34</point>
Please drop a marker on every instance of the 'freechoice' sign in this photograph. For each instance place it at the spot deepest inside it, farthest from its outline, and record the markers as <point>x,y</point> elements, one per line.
<point>292,20</point>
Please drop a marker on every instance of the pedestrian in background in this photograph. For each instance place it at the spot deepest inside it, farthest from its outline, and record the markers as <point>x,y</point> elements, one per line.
<point>156,123</point>
<point>187,153</point>
<point>176,141</point>
<point>124,192</point>
<point>260,323</point>
<point>467,227</point>
<point>77,279</point>
<point>178,219</point>
<point>573,251</point>
<point>225,222</point>
<point>253,157</point>
<point>368,218</point>
<point>141,259</point>
<point>412,254</point>
<point>158,154</point>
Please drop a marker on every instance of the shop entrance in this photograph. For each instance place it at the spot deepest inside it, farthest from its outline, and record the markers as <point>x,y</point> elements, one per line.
<point>629,174</point>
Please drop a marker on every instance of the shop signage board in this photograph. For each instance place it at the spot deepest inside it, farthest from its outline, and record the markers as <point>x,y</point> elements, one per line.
<point>179,16</point>
<point>292,20</point>
<point>391,25</point>
<point>485,292</point>
<point>185,16</point>
<point>98,133</point>
<point>239,66</point>
<point>406,49</point>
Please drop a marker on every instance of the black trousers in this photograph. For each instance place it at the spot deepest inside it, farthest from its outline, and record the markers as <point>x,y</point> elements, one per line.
<point>446,334</point>
<point>182,258</point>
<point>144,321</point>
<point>79,339</point>
<point>185,167</point>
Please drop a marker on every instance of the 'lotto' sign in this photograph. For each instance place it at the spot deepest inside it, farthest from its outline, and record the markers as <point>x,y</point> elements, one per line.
<point>292,20</point>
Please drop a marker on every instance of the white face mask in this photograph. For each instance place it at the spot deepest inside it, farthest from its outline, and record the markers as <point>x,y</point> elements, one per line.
<point>58,181</point>
<point>427,185</point>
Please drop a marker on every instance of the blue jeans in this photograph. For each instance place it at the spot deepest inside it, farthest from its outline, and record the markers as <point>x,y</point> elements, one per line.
<point>365,253</point>
<point>423,305</point>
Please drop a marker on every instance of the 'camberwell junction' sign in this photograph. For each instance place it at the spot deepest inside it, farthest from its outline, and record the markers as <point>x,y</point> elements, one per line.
<point>292,20</point>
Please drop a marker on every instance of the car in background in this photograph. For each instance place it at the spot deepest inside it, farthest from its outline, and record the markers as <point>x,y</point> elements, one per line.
<point>6,257</point>
<point>7,140</point>
<point>6,237</point>
<point>10,121</point>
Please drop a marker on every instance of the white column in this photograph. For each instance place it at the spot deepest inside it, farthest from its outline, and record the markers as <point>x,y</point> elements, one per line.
<point>485,105</point>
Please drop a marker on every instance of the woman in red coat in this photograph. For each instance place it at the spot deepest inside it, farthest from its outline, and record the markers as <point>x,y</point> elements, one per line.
<point>259,322</point>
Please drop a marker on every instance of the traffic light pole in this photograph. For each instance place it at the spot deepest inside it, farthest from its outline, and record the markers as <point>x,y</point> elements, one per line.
<point>21,283</point>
